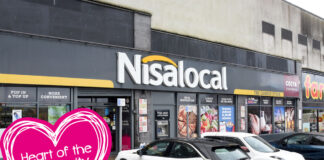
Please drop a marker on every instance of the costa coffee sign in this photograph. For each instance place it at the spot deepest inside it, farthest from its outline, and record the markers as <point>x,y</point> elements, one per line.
<point>291,86</point>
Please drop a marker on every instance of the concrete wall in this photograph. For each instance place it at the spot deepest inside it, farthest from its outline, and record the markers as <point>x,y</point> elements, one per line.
<point>237,23</point>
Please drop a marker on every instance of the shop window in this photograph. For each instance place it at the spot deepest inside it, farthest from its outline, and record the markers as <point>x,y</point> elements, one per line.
<point>310,120</point>
<point>187,115</point>
<point>10,112</point>
<point>52,112</point>
<point>260,115</point>
<point>320,120</point>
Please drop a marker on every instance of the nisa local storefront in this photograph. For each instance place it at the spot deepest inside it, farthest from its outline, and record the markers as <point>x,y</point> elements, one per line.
<point>313,101</point>
<point>142,95</point>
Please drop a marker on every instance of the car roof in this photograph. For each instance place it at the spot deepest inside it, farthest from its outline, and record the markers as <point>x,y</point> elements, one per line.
<point>228,134</point>
<point>203,141</point>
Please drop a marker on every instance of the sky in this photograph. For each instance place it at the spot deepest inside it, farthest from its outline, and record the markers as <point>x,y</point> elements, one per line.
<point>314,6</point>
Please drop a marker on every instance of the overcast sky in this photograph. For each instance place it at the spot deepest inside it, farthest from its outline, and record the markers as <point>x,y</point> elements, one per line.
<point>314,6</point>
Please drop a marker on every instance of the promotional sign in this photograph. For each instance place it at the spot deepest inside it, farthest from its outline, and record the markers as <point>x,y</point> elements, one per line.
<point>142,106</point>
<point>55,112</point>
<point>227,116</point>
<point>279,119</point>
<point>208,118</point>
<point>64,140</point>
<point>252,100</point>
<point>187,121</point>
<point>142,124</point>
<point>290,119</point>
<point>16,114</point>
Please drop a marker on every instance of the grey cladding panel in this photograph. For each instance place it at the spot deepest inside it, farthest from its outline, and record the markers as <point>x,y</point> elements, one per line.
<point>176,44</point>
<point>163,98</point>
<point>72,19</point>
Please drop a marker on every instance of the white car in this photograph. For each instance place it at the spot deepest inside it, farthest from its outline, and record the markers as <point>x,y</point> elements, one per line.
<point>186,149</point>
<point>255,146</point>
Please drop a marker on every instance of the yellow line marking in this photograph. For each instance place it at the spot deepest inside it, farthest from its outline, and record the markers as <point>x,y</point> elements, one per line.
<point>57,81</point>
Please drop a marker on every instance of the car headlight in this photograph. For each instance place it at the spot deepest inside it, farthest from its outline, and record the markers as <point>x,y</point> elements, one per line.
<point>276,157</point>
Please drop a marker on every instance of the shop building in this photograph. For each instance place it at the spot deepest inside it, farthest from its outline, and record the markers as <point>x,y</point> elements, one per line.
<point>146,83</point>
<point>313,106</point>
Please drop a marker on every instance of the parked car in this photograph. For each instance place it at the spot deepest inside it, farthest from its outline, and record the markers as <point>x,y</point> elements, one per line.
<point>188,149</point>
<point>310,145</point>
<point>255,146</point>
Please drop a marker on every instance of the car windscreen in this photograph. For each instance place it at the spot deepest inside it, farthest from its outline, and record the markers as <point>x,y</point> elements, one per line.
<point>232,153</point>
<point>260,144</point>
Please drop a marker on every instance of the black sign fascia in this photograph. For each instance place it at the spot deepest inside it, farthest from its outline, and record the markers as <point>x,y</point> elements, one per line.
<point>225,99</point>
<point>162,115</point>
<point>290,102</point>
<point>186,98</point>
<point>18,94</point>
<point>279,101</point>
<point>266,101</point>
<point>208,99</point>
<point>57,95</point>
<point>253,100</point>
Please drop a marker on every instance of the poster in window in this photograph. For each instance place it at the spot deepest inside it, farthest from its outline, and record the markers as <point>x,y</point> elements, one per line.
<point>279,119</point>
<point>142,106</point>
<point>208,119</point>
<point>266,120</point>
<point>55,112</point>
<point>306,127</point>
<point>254,120</point>
<point>187,127</point>
<point>321,121</point>
<point>227,116</point>
<point>16,114</point>
<point>142,124</point>
<point>242,124</point>
<point>290,119</point>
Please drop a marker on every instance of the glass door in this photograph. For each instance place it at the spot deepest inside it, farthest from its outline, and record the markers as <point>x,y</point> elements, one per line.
<point>110,115</point>
<point>108,110</point>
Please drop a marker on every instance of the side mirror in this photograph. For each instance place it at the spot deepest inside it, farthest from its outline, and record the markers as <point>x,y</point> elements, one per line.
<point>244,148</point>
<point>140,152</point>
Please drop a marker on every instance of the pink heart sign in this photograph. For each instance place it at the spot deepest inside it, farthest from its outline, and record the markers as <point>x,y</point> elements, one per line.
<point>78,135</point>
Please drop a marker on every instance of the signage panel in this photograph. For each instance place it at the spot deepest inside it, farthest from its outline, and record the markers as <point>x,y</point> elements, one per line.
<point>18,94</point>
<point>208,99</point>
<point>54,94</point>
<point>114,67</point>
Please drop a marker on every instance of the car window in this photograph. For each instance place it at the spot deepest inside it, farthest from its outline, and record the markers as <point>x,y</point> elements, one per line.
<point>182,150</point>
<point>156,149</point>
<point>317,140</point>
<point>298,139</point>
<point>232,153</point>
<point>259,144</point>
<point>229,139</point>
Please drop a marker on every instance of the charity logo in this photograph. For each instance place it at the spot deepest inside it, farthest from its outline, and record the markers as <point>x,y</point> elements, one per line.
<point>78,135</point>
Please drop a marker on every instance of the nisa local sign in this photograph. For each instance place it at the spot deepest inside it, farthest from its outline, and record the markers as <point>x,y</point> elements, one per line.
<point>150,71</point>
<point>313,87</point>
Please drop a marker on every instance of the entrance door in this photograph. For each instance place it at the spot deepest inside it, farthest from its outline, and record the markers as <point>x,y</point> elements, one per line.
<point>108,110</point>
